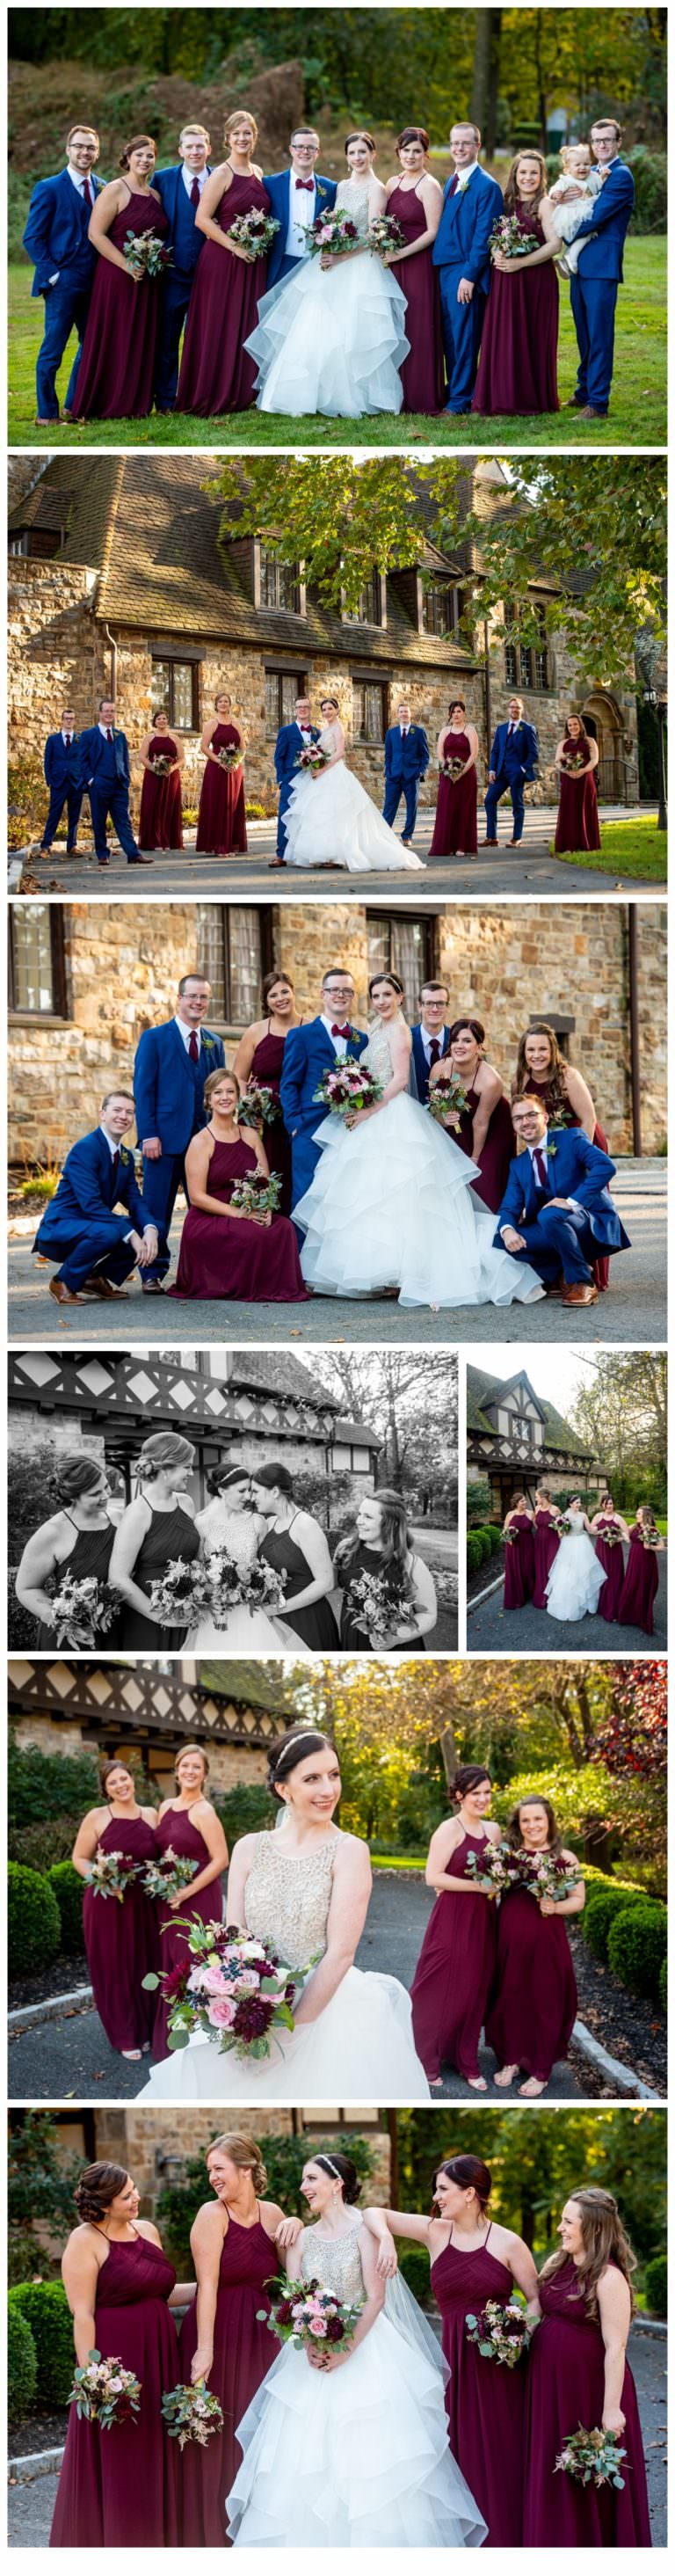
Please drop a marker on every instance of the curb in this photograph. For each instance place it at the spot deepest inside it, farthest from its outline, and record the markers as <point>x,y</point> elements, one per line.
<point>24,2018</point>
<point>34,2464</point>
<point>475,1602</point>
<point>621,2077</point>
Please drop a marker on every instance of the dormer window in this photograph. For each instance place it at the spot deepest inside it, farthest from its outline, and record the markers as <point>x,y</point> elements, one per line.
<point>370,609</point>
<point>441,608</point>
<point>527,666</point>
<point>280,583</point>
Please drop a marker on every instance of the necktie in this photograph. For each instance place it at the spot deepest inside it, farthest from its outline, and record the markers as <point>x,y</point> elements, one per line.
<point>434,1052</point>
<point>306,183</point>
<point>108,734</point>
<point>194,192</point>
<point>193,1046</point>
<point>404,730</point>
<point>67,741</point>
<point>86,193</point>
<point>540,1172</point>
<point>511,729</point>
<point>114,1168</point>
<point>454,184</point>
<point>337,1032</point>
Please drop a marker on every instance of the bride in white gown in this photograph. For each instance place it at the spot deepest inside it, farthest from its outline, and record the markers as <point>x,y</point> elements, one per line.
<point>390,1204</point>
<point>330,817</point>
<point>576,1578</point>
<point>233,1526</point>
<point>350,2449</point>
<point>306,1889</point>
<point>331,336</point>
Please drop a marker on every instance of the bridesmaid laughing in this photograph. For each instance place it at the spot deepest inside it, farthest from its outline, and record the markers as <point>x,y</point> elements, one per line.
<point>121,1939</point>
<point>578,2375</point>
<point>532,2013</point>
<point>117,367</point>
<point>455,1969</point>
<point>120,2491</point>
<point>609,1530</point>
<point>222,2338</point>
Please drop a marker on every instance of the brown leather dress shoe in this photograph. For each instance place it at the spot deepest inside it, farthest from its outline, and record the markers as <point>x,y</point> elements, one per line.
<point>583,1294</point>
<point>64,1296</point>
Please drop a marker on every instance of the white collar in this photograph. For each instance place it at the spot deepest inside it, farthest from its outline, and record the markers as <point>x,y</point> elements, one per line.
<point>331,1021</point>
<point>113,1142</point>
<point>105,729</point>
<point>68,737</point>
<point>186,1032</point>
<point>78,178</point>
<point>467,173</point>
<point>201,177</point>
<point>432,1037</point>
<point>541,1146</point>
<point>295,176</point>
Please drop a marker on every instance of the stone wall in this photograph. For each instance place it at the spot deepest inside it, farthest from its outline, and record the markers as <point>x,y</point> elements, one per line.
<point>230,1765</point>
<point>136,2138</point>
<point>54,659</point>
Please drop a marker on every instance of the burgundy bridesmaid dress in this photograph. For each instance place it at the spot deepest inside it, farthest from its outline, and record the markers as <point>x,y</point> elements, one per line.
<point>257,1264</point>
<point>600,1267</point>
<point>176,1831</point>
<point>578,825</point>
<point>612,1559</point>
<point>122,1941</point>
<point>117,367</point>
<point>534,2002</point>
<point>217,373</point>
<point>519,1563</point>
<point>90,1554</point>
<point>640,1585</point>
<point>243,2352</point>
<point>485,2403</point>
<point>454,1974</point>
<point>456,819</point>
<point>221,821</point>
<point>120,2490</point>
<point>170,1535</point>
<point>316,1623</point>
<point>422,374</point>
<point>267,1067</point>
<point>517,368</point>
<point>566,2388</point>
<point>496,1155</point>
<point>546,1545</point>
<point>160,824</point>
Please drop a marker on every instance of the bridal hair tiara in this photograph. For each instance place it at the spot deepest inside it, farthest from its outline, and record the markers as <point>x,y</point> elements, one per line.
<point>294,1740</point>
<point>334,2169</point>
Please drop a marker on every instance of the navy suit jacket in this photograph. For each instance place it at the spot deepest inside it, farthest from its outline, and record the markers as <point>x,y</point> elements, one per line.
<point>420,1061</point>
<point>466,223</point>
<point>55,236</point>
<point>279,193</point>
<point>576,1170</point>
<point>409,759</point>
<point>308,1053</point>
<point>169,1088</point>
<point>87,1195</point>
<point>63,768</point>
<point>287,746</point>
<point>93,748</point>
<point>521,752</point>
<point>609,217</point>
<point>167,183</point>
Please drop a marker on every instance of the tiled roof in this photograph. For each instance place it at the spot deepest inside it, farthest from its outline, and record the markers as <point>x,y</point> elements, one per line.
<point>279,1373</point>
<point>479,1387</point>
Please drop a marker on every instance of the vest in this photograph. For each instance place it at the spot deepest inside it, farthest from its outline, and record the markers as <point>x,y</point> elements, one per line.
<point>187,241</point>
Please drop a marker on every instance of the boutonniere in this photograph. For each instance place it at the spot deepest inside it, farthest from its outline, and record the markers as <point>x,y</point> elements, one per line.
<point>124,1156</point>
<point>207,1044</point>
<point>551,1149</point>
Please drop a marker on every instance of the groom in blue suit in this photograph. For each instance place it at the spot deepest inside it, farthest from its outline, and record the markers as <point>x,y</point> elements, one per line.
<point>406,761</point>
<point>556,1211</point>
<point>291,739</point>
<point>106,772</point>
<point>81,1229</point>
<point>297,197</point>
<point>181,189</point>
<point>57,239</point>
<point>472,203</point>
<point>594,288</point>
<point>310,1051</point>
<point>514,753</point>
<point>171,1068</point>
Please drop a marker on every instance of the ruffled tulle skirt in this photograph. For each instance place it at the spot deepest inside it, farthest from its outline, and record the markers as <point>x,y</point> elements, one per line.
<point>361,2049</point>
<point>390,1206</point>
<point>352,2458</point>
<point>333,819</point>
<point>331,340</point>
<point>246,1632</point>
<point>575,1581</point>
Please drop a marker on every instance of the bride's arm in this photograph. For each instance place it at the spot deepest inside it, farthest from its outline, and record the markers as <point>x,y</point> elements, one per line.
<point>400,1043</point>
<point>352,1883</point>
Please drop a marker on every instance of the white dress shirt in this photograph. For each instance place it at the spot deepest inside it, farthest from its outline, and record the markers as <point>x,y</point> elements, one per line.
<point>187,1033</point>
<point>340,1044</point>
<point>301,210</point>
<point>463,177</point>
<point>189,177</point>
<point>432,1037</point>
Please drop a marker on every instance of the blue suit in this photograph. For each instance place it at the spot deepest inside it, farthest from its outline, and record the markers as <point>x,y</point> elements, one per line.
<point>287,746</point>
<point>106,773</point>
<point>594,289</point>
<point>422,1069</point>
<point>308,1053</point>
<point>57,238</point>
<point>80,1229</point>
<point>63,773</point>
<point>186,243</point>
<point>563,1239</point>
<point>169,1102</point>
<point>513,758</point>
<point>279,193</point>
<point>461,250</point>
<point>405,763</point>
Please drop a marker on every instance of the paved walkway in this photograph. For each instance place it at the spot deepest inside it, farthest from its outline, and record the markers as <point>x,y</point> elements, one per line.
<point>531,869</point>
<point>633,1310</point>
<point>492,1630</point>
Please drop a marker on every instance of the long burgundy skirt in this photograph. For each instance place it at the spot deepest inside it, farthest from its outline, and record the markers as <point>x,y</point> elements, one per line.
<point>639,1588</point>
<point>565,2388</point>
<point>243,2352</point>
<point>120,2490</point>
<point>534,1998</point>
<point>485,2404</point>
<point>122,1941</point>
<point>519,1564</point>
<point>422,373</point>
<point>454,1974</point>
<point>612,1559</point>
<point>578,825</point>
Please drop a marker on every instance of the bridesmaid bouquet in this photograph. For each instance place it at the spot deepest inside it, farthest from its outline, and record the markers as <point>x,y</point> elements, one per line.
<point>451,769</point>
<point>308,2317</point>
<point>494,1870</point>
<point>110,1874</point>
<point>258,1105</point>
<point>145,254</point>
<point>238,1992</point>
<point>348,1086</point>
<point>166,1877</point>
<point>82,1606</point>
<point>377,1600</point>
<point>447,1099</point>
<point>192,2414</point>
<point>312,758</point>
<point>161,764</point>
<point>257,1586</point>
<point>254,231</point>
<point>501,2332</point>
<point>609,1534</point>
<point>180,1593</point>
<point>334,233</point>
<point>650,1539</point>
<point>572,762</point>
<point>105,2393</point>
<point>385,233</point>
<point>547,1876</point>
<point>509,236</point>
<point>593,2458</point>
<point>256,1192</point>
<point>229,756</point>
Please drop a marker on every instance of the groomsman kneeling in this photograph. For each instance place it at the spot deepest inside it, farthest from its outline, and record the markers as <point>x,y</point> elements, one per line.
<point>557,1211</point>
<point>96,1247</point>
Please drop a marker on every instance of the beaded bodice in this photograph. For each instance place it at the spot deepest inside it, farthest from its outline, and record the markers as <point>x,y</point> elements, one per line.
<point>328,740</point>
<point>288,1896</point>
<point>334,2261</point>
<point>236,1532</point>
<point>354,198</point>
<point>377,1054</point>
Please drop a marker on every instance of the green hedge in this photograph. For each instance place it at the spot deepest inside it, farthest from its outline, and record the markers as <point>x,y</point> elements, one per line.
<point>21,2365</point>
<point>600,1912</point>
<point>637,1945</point>
<point>663,1985</point>
<point>45,2308</point>
<point>33,1921</point>
<point>656,2285</point>
<point>415,2268</point>
<point>68,1889</point>
<point>39,1846</point>
<point>474,1552</point>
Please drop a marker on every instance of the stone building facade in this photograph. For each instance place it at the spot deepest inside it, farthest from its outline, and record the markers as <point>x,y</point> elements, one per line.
<point>88,978</point>
<point>516,1439</point>
<point>145,1711</point>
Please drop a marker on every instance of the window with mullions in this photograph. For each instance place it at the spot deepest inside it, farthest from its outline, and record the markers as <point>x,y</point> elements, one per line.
<point>281,690</point>
<point>175,685</point>
<point>402,944</point>
<point>528,666</point>
<point>235,951</point>
<point>440,608</point>
<point>369,700</point>
<point>279,583</point>
<point>37,969</point>
<point>368,610</point>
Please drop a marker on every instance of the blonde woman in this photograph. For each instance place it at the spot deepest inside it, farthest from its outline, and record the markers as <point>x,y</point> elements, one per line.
<point>188,1829</point>
<point>224,2338</point>
<point>217,373</point>
<point>157,1529</point>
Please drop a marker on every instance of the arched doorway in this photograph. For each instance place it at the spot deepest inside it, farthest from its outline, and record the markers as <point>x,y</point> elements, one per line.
<point>609,728</point>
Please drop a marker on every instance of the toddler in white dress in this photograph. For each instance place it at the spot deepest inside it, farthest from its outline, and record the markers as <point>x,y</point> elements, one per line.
<point>571,198</point>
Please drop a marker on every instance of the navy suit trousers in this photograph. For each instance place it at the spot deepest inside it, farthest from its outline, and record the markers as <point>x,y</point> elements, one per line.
<point>462,325</point>
<point>511,784</point>
<point>394,789</point>
<point>594,308</point>
<point>71,797</point>
<point>113,801</point>
<point>87,1248</point>
<point>560,1240</point>
<point>175,295</point>
<point>161,1183</point>
<point>66,308</point>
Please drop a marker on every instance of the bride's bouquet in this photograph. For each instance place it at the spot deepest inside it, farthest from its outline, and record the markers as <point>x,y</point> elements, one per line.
<point>110,1874</point>
<point>256,1587</point>
<point>309,2316</point>
<point>238,1992</point>
<point>510,237</point>
<point>256,1192</point>
<point>258,1105</point>
<point>501,2332</point>
<point>384,234</point>
<point>169,1875</point>
<point>104,2393</point>
<point>335,233</point>
<point>254,231</point>
<point>312,759</point>
<point>594,2458</point>
<point>230,755</point>
<point>348,1086</point>
<point>191,2414</point>
<point>83,1608</point>
<point>447,1099</point>
<point>180,1594</point>
<point>146,254</point>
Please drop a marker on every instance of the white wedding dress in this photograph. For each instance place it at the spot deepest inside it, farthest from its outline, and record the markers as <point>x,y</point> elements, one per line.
<point>331,818</point>
<point>390,1206</point>
<point>333,340</point>
<point>576,1578</point>
<point>248,1632</point>
<point>360,2048</point>
<point>357,2457</point>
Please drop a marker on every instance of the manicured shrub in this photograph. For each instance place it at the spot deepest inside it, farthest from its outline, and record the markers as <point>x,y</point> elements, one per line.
<point>636,1946</point>
<point>68,1890</point>
<point>656,2285</point>
<point>663,1985</point>
<point>33,1921</point>
<point>600,1912</point>
<point>21,2365</point>
<point>483,1538</point>
<point>415,2269</point>
<point>474,1552</point>
<point>45,2308</point>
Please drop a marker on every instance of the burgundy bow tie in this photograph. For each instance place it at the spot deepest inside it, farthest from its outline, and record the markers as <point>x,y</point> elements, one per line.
<point>306,183</point>
<point>337,1032</point>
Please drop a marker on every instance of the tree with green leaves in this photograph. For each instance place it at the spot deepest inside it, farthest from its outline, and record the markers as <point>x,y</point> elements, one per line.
<point>621,1411</point>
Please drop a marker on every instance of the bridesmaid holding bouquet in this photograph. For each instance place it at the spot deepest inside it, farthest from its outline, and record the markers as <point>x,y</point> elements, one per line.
<point>260,1060</point>
<point>117,368</point>
<point>576,758</point>
<point>519,1560</point>
<point>609,1531</point>
<point>120,2489</point>
<point>455,833</point>
<point>414,201</point>
<point>217,374</point>
<point>517,370</point>
<point>641,1579</point>
<point>221,823</point>
<point>120,1931</point>
<point>578,2376</point>
<point>455,1969</point>
<point>188,1829</point>
<point>223,2338</point>
<point>532,2013</point>
<point>546,1544</point>
<point>160,824</point>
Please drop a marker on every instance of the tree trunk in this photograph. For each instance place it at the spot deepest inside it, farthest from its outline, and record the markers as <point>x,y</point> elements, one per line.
<point>485,80</point>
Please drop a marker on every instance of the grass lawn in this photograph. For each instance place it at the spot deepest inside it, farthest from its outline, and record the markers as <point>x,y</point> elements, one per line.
<point>637,418</point>
<point>633,849</point>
